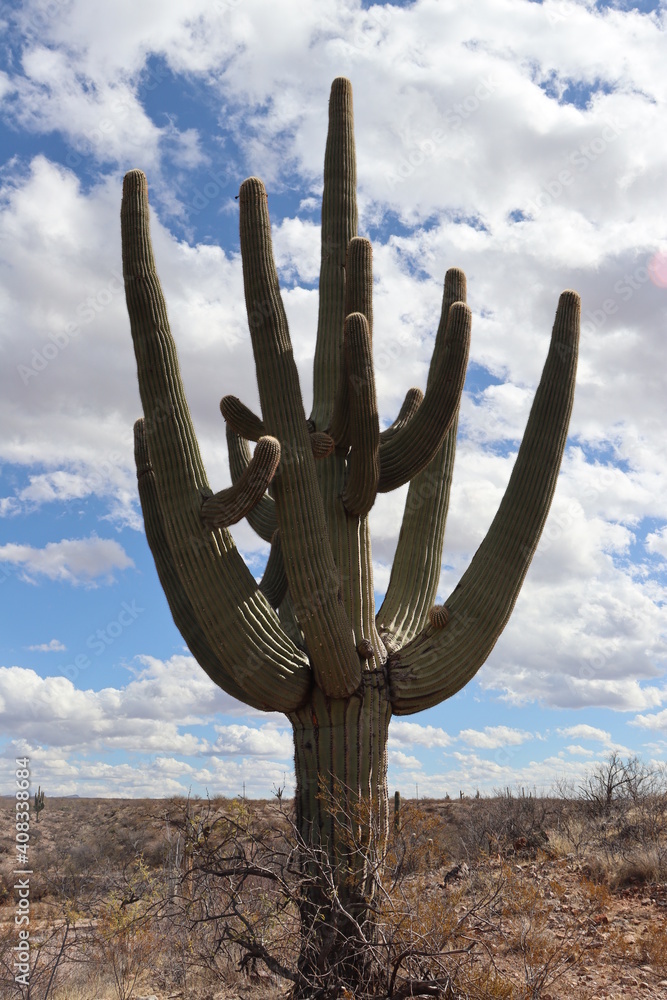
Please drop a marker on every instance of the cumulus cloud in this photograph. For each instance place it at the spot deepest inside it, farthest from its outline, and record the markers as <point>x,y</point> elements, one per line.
<point>404,761</point>
<point>149,714</point>
<point>585,732</point>
<point>656,721</point>
<point>73,560</point>
<point>407,734</point>
<point>494,737</point>
<point>265,741</point>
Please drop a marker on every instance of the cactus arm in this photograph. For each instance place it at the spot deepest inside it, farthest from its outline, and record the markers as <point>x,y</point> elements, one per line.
<point>262,518</point>
<point>413,400</point>
<point>364,466</point>
<point>179,604</point>
<point>411,448</point>
<point>241,419</point>
<point>309,562</point>
<point>239,622</point>
<point>274,582</point>
<point>415,572</point>
<point>230,505</point>
<point>440,661</point>
<point>339,225</point>
<point>358,299</point>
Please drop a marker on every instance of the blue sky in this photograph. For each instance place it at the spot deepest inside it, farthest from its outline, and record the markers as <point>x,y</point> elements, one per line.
<point>522,141</point>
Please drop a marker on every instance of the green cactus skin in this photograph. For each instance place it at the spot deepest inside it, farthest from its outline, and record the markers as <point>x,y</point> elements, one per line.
<point>324,657</point>
<point>39,802</point>
<point>397,811</point>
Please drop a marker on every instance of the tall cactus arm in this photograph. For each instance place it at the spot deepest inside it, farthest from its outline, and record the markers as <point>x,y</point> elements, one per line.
<point>240,624</point>
<point>441,660</point>
<point>180,606</point>
<point>309,562</point>
<point>230,505</point>
<point>415,572</point>
<point>339,225</point>
<point>364,464</point>
<point>358,299</point>
<point>261,518</point>
<point>411,448</point>
<point>414,398</point>
<point>241,419</point>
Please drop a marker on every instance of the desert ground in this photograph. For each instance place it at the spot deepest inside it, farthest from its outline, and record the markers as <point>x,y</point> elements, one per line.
<point>513,896</point>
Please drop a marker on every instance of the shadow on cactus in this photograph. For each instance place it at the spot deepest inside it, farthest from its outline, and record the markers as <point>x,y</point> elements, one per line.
<point>307,641</point>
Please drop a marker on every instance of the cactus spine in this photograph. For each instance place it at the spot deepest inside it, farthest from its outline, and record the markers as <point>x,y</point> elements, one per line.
<point>307,641</point>
<point>39,802</point>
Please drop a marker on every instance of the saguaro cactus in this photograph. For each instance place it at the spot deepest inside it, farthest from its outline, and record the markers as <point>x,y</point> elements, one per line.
<point>39,802</point>
<point>307,640</point>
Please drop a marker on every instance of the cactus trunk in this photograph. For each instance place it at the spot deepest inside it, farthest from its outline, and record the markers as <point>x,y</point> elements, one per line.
<point>307,641</point>
<point>341,811</point>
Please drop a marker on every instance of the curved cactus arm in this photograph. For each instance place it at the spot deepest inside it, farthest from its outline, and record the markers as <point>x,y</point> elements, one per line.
<point>415,572</point>
<point>339,226</point>
<point>261,518</point>
<point>241,419</point>
<point>358,299</point>
<point>411,448</point>
<point>239,622</point>
<point>230,505</point>
<point>364,466</point>
<point>309,563</point>
<point>440,661</point>
<point>179,604</point>
<point>414,398</point>
<point>274,582</point>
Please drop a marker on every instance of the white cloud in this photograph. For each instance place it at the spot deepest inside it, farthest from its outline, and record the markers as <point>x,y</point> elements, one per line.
<point>148,714</point>
<point>266,741</point>
<point>402,760</point>
<point>408,734</point>
<point>585,732</point>
<point>578,751</point>
<point>494,737</point>
<point>656,542</point>
<point>73,560</point>
<point>54,646</point>
<point>656,721</point>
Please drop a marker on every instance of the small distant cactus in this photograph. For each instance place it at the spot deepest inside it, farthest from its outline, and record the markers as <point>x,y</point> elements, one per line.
<point>39,801</point>
<point>397,811</point>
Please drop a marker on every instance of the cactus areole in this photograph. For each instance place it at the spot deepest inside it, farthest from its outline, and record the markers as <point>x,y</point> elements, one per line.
<point>308,640</point>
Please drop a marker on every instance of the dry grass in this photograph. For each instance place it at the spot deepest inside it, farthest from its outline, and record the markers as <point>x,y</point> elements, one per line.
<point>549,891</point>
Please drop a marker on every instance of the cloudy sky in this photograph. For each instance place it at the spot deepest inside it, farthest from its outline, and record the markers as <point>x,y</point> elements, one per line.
<point>523,141</point>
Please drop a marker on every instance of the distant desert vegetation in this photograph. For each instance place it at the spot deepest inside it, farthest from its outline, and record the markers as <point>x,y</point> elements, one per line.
<point>514,896</point>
